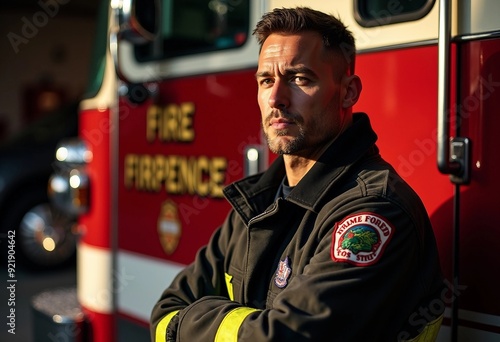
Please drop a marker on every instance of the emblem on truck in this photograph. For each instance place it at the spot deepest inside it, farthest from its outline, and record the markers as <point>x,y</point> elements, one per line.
<point>169,226</point>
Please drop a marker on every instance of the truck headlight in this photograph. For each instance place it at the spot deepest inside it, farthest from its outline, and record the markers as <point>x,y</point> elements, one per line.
<point>69,185</point>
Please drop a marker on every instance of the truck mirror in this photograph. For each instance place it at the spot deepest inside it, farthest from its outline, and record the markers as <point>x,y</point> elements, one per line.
<point>139,20</point>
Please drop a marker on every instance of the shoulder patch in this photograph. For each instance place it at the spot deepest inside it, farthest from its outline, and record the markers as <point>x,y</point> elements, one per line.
<point>360,239</point>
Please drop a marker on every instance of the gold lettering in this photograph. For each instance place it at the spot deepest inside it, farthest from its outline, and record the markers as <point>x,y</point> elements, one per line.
<point>172,178</point>
<point>172,123</point>
<point>160,171</point>
<point>130,172</point>
<point>186,131</point>
<point>203,170</point>
<point>186,169</point>
<point>145,172</point>
<point>217,176</point>
<point>179,175</point>
<point>152,122</point>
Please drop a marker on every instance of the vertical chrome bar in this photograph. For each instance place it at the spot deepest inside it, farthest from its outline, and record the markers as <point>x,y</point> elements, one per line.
<point>445,165</point>
<point>443,111</point>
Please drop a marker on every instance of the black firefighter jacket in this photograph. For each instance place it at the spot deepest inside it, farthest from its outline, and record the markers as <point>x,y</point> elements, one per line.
<point>349,255</point>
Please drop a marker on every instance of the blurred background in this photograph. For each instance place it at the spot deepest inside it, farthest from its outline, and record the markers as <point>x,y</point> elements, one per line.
<point>45,48</point>
<point>44,62</point>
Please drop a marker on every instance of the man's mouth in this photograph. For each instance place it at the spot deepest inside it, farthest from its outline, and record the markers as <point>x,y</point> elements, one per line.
<point>280,123</point>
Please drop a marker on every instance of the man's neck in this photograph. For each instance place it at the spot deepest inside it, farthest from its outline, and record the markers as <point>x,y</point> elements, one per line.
<point>296,167</point>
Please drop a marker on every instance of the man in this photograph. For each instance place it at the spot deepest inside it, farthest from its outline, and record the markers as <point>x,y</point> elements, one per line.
<point>329,244</point>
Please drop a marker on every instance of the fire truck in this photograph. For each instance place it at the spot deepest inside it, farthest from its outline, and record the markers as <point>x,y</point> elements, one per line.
<point>171,117</point>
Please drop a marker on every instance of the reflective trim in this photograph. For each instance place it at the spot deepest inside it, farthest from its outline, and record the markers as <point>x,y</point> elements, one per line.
<point>94,274</point>
<point>430,332</point>
<point>161,328</point>
<point>136,272</point>
<point>229,285</point>
<point>228,329</point>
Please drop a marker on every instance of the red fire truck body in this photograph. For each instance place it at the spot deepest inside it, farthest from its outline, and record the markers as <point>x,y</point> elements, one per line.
<point>175,119</point>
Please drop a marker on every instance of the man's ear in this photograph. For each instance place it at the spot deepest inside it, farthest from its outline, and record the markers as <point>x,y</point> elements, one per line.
<point>353,88</point>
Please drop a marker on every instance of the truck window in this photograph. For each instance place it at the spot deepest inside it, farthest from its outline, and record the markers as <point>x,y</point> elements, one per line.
<point>369,13</point>
<point>197,26</point>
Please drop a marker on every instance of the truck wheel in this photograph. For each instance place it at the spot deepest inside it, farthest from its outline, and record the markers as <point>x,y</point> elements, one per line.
<point>44,237</point>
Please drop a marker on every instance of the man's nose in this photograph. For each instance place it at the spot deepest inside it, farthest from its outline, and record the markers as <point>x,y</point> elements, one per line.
<point>279,97</point>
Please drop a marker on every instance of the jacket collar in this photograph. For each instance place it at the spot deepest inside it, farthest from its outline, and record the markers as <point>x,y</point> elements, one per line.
<point>252,195</point>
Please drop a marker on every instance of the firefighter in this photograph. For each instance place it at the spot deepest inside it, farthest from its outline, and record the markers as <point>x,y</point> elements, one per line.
<point>329,244</point>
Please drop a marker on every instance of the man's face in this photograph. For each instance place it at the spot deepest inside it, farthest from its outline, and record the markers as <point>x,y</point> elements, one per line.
<point>299,93</point>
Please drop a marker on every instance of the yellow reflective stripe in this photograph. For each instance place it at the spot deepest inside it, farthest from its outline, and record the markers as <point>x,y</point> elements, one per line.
<point>430,332</point>
<point>229,285</point>
<point>161,328</point>
<point>228,329</point>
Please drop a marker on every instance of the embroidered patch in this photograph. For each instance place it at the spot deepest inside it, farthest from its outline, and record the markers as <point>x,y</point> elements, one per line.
<point>360,239</point>
<point>283,273</point>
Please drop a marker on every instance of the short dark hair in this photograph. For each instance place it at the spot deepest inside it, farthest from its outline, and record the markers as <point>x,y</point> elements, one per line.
<point>336,36</point>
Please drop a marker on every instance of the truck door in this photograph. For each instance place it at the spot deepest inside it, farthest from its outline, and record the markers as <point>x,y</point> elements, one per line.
<point>469,104</point>
<point>434,102</point>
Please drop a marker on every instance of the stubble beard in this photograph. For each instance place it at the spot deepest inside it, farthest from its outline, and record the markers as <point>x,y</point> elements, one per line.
<point>291,146</point>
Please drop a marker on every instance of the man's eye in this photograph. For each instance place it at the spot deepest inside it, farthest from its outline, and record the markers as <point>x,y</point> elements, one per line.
<point>266,82</point>
<point>299,80</point>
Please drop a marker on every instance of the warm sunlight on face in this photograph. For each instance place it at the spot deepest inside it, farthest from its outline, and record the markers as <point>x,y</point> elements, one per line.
<point>299,96</point>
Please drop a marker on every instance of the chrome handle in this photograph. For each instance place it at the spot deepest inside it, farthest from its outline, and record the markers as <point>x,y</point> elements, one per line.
<point>453,155</point>
<point>445,165</point>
